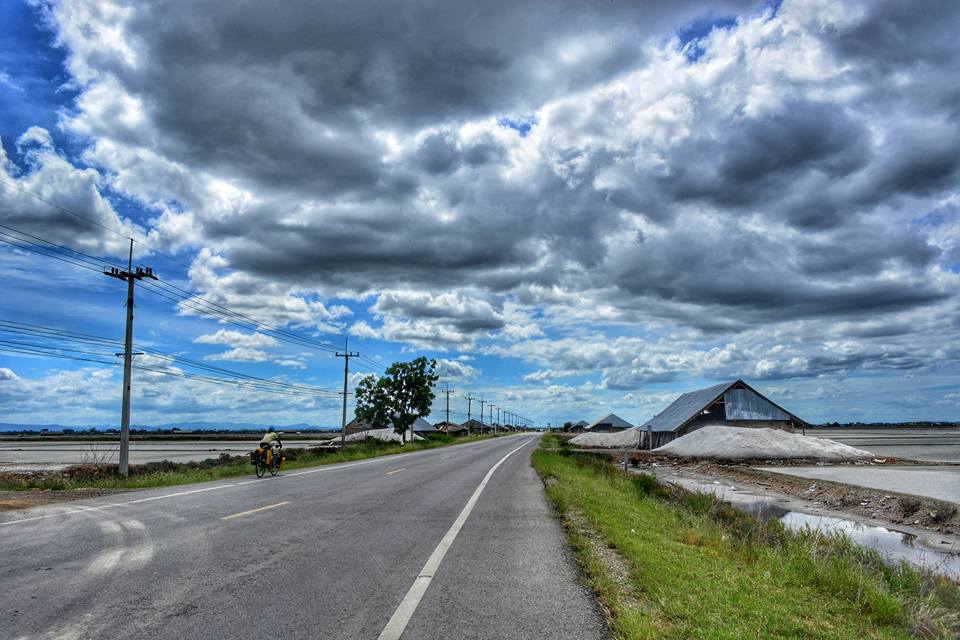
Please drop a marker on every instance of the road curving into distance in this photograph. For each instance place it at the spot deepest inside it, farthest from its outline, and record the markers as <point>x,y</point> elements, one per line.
<point>455,542</point>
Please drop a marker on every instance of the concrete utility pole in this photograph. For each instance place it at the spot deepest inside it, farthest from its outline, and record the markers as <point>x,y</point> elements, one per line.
<point>130,276</point>
<point>448,391</point>
<point>482,402</point>
<point>470,400</point>
<point>346,355</point>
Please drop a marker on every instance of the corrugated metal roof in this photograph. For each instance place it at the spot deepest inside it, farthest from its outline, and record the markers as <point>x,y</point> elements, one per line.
<point>420,426</point>
<point>613,420</point>
<point>685,407</point>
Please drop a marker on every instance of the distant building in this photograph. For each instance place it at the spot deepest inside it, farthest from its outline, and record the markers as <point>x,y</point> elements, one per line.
<point>357,425</point>
<point>578,427</point>
<point>451,428</point>
<point>474,426</point>
<point>609,423</point>
<point>420,426</point>
<point>734,404</point>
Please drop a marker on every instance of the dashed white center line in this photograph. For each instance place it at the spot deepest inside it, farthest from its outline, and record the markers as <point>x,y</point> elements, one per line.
<point>246,513</point>
<point>398,621</point>
<point>390,473</point>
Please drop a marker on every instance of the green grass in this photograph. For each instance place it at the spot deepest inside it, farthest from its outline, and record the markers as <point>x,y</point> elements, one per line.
<point>164,474</point>
<point>697,568</point>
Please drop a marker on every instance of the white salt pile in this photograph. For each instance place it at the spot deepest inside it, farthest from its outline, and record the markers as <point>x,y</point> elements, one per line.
<point>616,440</point>
<point>739,442</point>
<point>387,435</point>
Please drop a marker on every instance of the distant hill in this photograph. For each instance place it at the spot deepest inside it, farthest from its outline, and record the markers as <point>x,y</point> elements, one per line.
<point>6,427</point>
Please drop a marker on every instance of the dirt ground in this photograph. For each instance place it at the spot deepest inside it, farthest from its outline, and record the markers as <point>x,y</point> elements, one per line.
<point>886,506</point>
<point>13,500</point>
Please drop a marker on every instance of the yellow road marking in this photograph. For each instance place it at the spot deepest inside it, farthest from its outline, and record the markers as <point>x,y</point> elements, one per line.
<point>246,513</point>
<point>388,473</point>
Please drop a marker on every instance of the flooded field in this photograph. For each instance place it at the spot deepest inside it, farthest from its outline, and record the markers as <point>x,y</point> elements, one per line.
<point>37,454</point>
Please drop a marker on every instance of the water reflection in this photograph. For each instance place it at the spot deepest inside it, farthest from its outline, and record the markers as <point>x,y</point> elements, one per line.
<point>891,544</point>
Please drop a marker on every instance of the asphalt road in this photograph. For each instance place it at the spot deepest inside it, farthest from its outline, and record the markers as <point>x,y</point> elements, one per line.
<point>330,552</point>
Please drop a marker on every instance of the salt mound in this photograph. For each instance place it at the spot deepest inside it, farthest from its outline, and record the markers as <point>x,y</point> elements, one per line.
<point>740,442</point>
<point>618,439</point>
<point>387,435</point>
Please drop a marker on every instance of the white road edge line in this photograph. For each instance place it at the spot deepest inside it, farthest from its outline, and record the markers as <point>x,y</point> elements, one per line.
<point>83,509</point>
<point>246,513</point>
<point>401,617</point>
<point>390,473</point>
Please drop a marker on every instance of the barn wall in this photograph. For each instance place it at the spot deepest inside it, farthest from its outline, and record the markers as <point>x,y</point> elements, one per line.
<point>606,427</point>
<point>745,404</point>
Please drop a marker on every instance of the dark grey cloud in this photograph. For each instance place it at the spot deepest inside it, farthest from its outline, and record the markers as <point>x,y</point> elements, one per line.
<point>292,98</point>
<point>771,181</point>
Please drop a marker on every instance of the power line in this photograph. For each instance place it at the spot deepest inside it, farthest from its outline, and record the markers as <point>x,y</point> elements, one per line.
<point>168,290</point>
<point>70,212</point>
<point>51,333</point>
<point>38,249</point>
<point>63,209</point>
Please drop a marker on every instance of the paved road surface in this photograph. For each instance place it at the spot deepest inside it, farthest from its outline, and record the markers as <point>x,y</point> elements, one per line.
<point>330,552</point>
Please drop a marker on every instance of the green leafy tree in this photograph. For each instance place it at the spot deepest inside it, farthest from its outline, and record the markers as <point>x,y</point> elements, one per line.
<point>402,395</point>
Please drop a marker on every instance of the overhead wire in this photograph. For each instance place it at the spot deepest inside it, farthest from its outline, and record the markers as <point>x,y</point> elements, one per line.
<point>51,333</point>
<point>165,289</point>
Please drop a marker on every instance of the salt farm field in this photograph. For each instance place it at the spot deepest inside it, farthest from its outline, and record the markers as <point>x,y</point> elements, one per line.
<point>45,454</point>
<point>928,445</point>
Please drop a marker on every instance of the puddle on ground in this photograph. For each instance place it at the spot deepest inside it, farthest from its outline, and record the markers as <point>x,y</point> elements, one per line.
<point>891,544</point>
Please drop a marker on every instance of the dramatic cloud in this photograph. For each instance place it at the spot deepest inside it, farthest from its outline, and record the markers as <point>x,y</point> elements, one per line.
<point>609,197</point>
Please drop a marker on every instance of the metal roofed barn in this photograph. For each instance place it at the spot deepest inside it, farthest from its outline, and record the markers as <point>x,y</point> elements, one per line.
<point>609,423</point>
<point>579,427</point>
<point>734,404</point>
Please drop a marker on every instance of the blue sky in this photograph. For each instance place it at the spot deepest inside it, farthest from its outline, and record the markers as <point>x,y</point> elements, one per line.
<point>574,221</point>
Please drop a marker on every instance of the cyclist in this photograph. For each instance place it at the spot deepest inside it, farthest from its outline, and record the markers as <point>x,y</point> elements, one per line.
<point>271,440</point>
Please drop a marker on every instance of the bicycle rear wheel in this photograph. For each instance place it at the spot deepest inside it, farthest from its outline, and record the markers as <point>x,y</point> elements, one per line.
<point>261,470</point>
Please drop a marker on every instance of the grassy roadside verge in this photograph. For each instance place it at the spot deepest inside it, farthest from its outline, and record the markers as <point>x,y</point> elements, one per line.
<point>670,564</point>
<point>164,474</point>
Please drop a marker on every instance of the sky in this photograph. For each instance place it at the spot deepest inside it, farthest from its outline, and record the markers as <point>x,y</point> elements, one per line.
<point>575,208</point>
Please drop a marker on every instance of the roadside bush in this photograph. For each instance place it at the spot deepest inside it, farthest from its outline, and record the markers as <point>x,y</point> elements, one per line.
<point>908,505</point>
<point>647,484</point>
<point>943,514</point>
